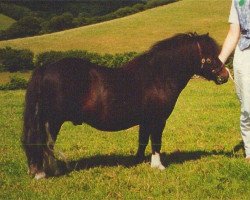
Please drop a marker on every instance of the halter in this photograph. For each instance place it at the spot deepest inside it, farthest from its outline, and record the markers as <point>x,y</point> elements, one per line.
<point>208,61</point>
<point>203,59</point>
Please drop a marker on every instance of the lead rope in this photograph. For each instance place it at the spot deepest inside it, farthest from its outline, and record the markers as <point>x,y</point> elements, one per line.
<point>230,75</point>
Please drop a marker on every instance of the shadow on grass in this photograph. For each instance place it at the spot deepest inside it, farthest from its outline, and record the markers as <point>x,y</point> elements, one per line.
<point>177,157</point>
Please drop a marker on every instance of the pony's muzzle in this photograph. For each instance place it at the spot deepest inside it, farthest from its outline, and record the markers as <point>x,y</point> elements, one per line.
<point>220,80</point>
<point>222,77</point>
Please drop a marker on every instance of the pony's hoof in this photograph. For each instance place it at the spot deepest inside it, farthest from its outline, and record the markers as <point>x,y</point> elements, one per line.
<point>139,159</point>
<point>156,162</point>
<point>32,170</point>
<point>40,175</point>
<point>160,167</point>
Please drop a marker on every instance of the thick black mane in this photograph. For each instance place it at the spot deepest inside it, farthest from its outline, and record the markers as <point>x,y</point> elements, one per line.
<point>183,39</point>
<point>173,42</point>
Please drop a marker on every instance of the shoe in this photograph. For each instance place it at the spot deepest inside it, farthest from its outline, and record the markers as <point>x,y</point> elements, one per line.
<point>248,159</point>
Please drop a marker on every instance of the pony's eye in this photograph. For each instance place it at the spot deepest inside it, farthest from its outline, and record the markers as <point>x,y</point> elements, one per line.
<point>208,60</point>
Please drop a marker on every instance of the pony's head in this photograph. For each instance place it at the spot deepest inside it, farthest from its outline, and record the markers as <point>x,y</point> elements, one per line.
<point>190,53</point>
<point>210,66</point>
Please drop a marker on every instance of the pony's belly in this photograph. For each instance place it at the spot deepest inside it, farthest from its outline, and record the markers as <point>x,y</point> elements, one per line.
<point>112,125</point>
<point>111,117</point>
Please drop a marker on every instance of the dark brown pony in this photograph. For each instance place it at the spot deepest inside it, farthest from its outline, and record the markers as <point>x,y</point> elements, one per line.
<point>142,92</point>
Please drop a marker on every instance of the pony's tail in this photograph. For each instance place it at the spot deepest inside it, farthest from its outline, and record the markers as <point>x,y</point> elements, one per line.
<point>33,138</point>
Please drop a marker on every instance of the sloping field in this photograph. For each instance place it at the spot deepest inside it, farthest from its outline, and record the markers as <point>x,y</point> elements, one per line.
<point>137,32</point>
<point>5,22</point>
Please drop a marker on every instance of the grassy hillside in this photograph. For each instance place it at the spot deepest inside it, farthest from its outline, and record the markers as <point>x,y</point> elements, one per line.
<point>137,32</point>
<point>5,22</point>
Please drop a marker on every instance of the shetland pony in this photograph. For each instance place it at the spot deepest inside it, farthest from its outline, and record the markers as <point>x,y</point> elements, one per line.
<point>142,92</point>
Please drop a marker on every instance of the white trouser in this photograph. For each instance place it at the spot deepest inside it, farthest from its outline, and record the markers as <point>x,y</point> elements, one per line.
<point>242,83</point>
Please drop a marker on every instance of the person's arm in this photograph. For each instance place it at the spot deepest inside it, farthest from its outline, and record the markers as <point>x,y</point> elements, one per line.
<point>230,42</point>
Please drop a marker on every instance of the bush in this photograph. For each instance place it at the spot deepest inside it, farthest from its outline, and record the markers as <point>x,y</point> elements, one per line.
<point>138,7</point>
<point>116,60</point>
<point>61,22</point>
<point>80,21</point>
<point>155,3</point>
<point>13,60</point>
<point>122,12</point>
<point>107,60</point>
<point>15,84</point>
<point>47,58</point>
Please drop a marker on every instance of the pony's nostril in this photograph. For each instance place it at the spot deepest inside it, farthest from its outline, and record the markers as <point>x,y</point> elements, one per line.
<point>221,80</point>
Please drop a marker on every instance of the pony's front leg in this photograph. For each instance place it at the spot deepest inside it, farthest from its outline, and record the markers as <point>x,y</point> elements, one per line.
<point>156,136</point>
<point>143,142</point>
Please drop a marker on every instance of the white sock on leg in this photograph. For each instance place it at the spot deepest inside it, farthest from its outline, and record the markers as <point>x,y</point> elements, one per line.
<point>156,161</point>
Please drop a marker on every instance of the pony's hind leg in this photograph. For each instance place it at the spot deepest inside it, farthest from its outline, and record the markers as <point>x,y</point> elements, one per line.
<point>50,164</point>
<point>40,146</point>
<point>34,146</point>
<point>47,164</point>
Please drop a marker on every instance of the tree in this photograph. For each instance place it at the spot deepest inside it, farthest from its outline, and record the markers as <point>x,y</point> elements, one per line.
<point>61,22</point>
<point>27,26</point>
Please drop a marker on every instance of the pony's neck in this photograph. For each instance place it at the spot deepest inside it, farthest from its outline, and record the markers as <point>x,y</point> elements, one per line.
<point>177,69</point>
<point>170,66</point>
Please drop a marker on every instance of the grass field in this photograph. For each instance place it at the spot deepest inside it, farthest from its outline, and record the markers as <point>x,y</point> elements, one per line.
<point>137,32</point>
<point>198,150</point>
<point>201,142</point>
<point>5,22</point>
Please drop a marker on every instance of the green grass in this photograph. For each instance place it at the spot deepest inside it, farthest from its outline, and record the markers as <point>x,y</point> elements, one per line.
<point>198,143</point>
<point>137,32</point>
<point>5,22</point>
<point>198,140</point>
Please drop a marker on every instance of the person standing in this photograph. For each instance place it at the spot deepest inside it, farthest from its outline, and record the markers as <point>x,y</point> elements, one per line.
<point>238,39</point>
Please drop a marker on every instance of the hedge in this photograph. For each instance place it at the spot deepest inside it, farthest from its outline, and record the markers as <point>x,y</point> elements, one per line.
<point>14,60</point>
<point>14,84</point>
<point>107,60</point>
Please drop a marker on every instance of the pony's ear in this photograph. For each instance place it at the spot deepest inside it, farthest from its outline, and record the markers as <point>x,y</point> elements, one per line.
<point>207,34</point>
